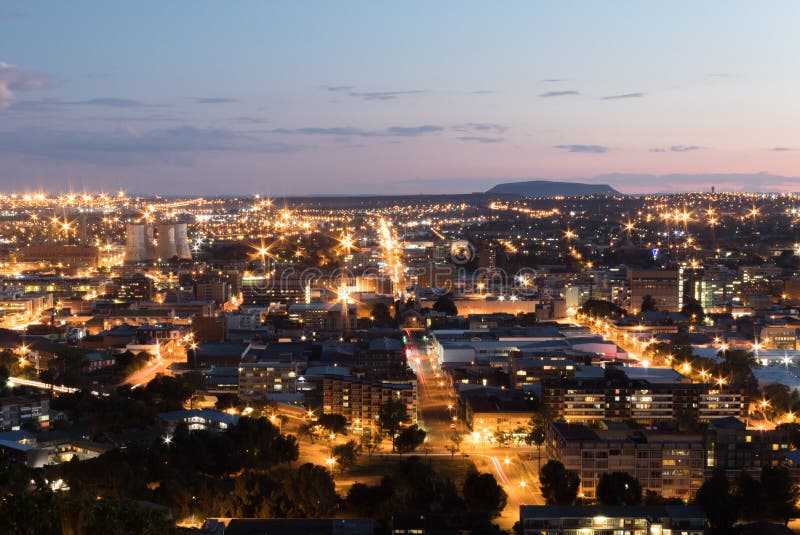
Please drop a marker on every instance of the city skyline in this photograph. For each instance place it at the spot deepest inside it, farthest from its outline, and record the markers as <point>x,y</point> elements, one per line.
<point>288,99</point>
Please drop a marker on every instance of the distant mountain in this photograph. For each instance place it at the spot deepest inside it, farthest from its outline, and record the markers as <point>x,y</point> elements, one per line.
<point>547,188</point>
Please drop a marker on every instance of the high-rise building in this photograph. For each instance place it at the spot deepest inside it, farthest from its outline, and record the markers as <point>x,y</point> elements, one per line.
<point>670,464</point>
<point>662,286</point>
<point>360,400</point>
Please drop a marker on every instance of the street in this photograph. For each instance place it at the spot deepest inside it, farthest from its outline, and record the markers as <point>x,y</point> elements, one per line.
<point>436,409</point>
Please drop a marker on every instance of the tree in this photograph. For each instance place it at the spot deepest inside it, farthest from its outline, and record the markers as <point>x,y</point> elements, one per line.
<point>649,304</point>
<point>537,434</point>
<point>346,454</point>
<point>112,516</point>
<point>782,399</point>
<point>692,308</point>
<point>307,492</point>
<point>446,305</point>
<point>780,492</point>
<point>602,308</point>
<point>559,486</point>
<point>333,423</point>
<point>715,499</point>
<point>410,438</point>
<point>482,493</point>
<point>737,366</point>
<point>619,488</point>
<point>750,496</point>
<point>381,315</point>
<point>454,444</point>
<point>391,416</point>
<point>371,442</point>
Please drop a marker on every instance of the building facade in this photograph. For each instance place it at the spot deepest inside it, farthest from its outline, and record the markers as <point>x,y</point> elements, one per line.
<point>360,400</point>
<point>669,464</point>
<point>259,379</point>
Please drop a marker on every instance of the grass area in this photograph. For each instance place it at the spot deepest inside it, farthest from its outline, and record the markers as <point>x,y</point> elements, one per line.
<point>378,466</point>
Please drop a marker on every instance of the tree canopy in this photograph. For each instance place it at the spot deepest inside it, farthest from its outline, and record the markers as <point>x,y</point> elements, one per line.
<point>446,305</point>
<point>619,488</point>
<point>559,486</point>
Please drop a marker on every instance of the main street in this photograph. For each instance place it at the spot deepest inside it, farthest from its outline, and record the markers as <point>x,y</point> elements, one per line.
<point>514,467</point>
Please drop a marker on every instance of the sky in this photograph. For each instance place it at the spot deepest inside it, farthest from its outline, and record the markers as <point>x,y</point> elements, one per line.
<point>319,97</point>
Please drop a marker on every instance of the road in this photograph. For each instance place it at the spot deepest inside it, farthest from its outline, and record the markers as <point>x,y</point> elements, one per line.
<point>146,374</point>
<point>436,402</point>
<point>44,386</point>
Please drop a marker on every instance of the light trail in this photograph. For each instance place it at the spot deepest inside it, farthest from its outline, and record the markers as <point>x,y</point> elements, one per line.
<point>44,386</point>
<point>498,468</point>
<point>392,254</point>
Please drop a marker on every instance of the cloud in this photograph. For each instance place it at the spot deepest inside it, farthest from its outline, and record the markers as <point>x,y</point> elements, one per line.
<point>549,94</point>
<point>385,95</point>
<point>413,130</point>
<point>53,103</point>
<point>483,92</point>
<point>110,102</point>
<point>129,147</point>
<point>250,120</point>
<point>351,131</point>
<point>677,148</point>
<point>782,149</point>
<point>553,80</point>
<point>597,149</point>
<point>214,100</point>
<point>350,90</point>
<point>14,79</point>
<point>481,139</point>
<point>624,95</point>
<point>481,127</point>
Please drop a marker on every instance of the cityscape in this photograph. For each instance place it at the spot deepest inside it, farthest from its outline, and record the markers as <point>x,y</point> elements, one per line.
<point>233,323</point>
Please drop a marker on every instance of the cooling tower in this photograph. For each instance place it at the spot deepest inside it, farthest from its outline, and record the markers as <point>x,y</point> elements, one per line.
<point>166,247</point>
<point>182,242</point>
<point>135,243</point>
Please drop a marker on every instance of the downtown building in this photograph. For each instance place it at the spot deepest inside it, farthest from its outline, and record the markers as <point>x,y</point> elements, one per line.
<point>19,411</point>
<point>642,401</point>
<point>663,286</point>
<point>360,400</point>
<point>669,464</point>
<point>263,379</point>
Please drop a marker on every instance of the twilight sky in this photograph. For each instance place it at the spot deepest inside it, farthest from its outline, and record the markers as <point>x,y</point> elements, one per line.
<point>298,97</point>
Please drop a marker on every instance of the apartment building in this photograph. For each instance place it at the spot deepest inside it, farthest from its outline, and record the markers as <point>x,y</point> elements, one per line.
<point>644,402</point>
<point>730,445</point>
<point>19,411</point>
<point>662,286</point>
<point>360,400</point>
<point>669,464</point>
<point>261,378</point>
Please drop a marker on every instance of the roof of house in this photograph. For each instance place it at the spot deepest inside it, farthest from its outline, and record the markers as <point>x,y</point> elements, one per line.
<point>615,511</point>
<point>206,414</point>
<point>299,526</point>
<point>574,431</point>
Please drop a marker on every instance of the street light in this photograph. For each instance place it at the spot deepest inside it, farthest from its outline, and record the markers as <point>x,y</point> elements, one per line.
<point>331,462</point>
